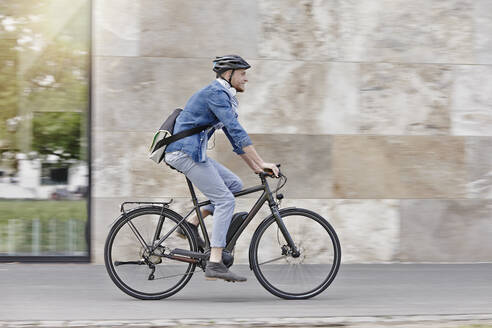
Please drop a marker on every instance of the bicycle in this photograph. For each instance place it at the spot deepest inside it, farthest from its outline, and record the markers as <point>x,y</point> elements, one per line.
<point>294,252</point>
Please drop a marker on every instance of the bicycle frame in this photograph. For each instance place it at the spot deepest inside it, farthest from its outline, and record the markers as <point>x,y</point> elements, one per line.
<point>266,196</point>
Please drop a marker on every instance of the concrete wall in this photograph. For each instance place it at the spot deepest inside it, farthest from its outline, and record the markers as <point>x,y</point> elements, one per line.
<point>379,111</point>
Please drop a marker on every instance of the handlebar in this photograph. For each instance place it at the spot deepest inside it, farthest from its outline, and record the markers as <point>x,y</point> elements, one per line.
<point>269,173</point>
<point>282,180</point>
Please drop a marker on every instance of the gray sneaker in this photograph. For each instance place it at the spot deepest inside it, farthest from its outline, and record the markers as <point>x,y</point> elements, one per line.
<point>216,270</point>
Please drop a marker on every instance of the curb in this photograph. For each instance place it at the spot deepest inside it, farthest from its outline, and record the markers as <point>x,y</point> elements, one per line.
<point>264,322</point>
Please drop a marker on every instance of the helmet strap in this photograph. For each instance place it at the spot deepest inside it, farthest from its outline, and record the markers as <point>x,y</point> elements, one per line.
<point>223,78</point>
<point>230,78</point>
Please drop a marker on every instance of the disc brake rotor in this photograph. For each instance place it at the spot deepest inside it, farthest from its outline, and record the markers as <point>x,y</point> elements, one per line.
<point>296,260</point>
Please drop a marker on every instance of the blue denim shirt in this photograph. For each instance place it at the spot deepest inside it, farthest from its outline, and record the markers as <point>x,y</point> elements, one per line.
<point>212,105</point>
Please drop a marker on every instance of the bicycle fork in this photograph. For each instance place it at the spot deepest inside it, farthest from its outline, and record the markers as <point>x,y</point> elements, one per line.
<point>285,232</point>
<point>274,208</point>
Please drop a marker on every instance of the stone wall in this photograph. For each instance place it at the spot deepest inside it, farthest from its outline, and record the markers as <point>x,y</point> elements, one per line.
<point>379,111</point>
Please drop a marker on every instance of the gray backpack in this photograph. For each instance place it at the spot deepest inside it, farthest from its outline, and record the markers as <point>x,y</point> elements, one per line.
<point>164,136</point>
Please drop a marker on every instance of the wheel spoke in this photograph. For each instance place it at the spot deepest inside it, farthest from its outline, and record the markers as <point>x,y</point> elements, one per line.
<point>175,275</point>
<point>138,235</point>
<point>273,260</point>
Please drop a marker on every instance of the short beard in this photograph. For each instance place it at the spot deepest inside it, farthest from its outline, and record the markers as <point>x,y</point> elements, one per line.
<point>239,89</point>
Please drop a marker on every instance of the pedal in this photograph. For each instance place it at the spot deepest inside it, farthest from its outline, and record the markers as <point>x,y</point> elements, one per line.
<point>194,255</point>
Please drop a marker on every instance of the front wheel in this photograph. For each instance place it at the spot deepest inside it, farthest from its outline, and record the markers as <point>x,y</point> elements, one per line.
<point>292,274</point>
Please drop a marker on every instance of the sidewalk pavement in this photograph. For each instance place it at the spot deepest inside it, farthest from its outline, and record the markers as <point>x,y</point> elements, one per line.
<point>362,295</point>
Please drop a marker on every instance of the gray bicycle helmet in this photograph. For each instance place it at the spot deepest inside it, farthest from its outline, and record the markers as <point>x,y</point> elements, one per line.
<point>225,63</point>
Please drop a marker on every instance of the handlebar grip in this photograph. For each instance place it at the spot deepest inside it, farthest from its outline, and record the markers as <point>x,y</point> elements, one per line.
<point>270,171</point>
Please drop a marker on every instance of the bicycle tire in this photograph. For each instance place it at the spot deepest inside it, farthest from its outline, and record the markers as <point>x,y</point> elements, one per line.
<point>110,252</point>
<point>267,271</point>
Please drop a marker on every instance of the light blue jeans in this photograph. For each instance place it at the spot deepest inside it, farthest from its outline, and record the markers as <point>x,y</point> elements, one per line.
<point>217,183</point>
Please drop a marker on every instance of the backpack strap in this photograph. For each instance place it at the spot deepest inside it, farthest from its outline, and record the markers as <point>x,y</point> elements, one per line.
<point>180,135</point>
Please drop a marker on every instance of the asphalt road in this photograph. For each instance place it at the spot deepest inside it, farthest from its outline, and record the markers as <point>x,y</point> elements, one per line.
<point>85,292</point>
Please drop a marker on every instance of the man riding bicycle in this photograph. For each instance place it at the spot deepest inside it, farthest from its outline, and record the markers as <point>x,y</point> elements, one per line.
<point>215,105</point>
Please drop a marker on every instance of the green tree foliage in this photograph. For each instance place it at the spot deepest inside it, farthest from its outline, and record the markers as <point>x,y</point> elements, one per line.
<point>57,133</point>
<point>9,98</point>
<point>44,67</point>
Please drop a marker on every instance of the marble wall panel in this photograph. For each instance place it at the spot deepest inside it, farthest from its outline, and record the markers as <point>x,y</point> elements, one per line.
<point>305,160</point>
<point>482,15</point>
<point>369,230</point>
<point>112,181</point>
<point>123,93</point>
<point>398,167</point>
<point>301,97</point>
<point>121,168</point>
<point>138,93</point>
<point>197,29</point>
<point>472,100</point>
<point>304,30</point>
<point>116,27</point>
<point>432,167</point>
<point>103,212</point>
<point>446,230</point>
<point>110,168</point>
<point>419,31</point>
<point>364,167</point>
<point>404,99</point>
<point>177,79</point>
<point>479,166</point>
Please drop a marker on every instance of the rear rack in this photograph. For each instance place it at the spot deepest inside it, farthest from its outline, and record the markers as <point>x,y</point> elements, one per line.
<point>163,204</point>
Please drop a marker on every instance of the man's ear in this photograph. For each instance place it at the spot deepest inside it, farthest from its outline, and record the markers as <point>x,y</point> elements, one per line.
<point>226,75</point>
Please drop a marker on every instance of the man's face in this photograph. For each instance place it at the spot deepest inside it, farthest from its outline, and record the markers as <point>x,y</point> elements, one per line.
<point>239,80</point>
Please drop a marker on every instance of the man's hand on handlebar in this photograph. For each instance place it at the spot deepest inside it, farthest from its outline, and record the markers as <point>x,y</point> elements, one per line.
<point>271,168</point>
<point>255,162</point>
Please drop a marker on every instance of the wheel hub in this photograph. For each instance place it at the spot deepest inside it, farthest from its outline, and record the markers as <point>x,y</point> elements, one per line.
<point>152,258</point>
<point>296,257</point>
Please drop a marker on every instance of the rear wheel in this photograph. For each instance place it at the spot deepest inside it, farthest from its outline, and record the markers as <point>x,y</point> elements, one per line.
<point>138,271</point>
<point>289,274</point>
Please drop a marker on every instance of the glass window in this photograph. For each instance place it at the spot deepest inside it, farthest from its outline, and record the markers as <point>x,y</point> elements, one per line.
<point>44,110</point>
